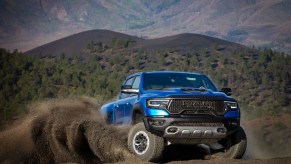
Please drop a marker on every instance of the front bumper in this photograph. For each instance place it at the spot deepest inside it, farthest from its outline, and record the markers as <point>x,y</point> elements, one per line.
<point>198,127</point>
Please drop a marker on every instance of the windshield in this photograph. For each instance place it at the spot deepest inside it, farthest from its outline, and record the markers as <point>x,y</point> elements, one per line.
<point>158,81</point>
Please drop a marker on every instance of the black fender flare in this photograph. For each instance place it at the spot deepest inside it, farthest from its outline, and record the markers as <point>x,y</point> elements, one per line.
<point>138,108</point>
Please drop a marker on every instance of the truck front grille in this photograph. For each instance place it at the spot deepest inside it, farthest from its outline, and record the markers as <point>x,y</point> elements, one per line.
<point>190,123</point>
<point>196,107</point>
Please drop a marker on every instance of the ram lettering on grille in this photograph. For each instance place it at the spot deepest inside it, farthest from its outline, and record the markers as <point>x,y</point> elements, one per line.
<point>192,107</point>
<point>186,104</point>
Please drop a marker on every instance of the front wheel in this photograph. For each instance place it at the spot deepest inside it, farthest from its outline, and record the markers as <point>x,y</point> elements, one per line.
<point>145,145</point>
<point>234,146</point>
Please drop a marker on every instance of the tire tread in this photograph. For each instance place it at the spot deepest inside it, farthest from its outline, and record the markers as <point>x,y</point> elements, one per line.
<point>157,143</point>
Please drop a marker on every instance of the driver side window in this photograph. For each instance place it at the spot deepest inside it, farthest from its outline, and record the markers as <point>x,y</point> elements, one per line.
<point>136,82</point>
<point>127,82</point>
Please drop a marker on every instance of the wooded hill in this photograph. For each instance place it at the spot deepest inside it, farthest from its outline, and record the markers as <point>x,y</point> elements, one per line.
<point>96,67</point>
<point>260,79</point>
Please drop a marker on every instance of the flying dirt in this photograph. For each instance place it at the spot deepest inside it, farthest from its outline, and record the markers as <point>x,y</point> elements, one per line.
<point>71,130</point>
<point>68,130</point>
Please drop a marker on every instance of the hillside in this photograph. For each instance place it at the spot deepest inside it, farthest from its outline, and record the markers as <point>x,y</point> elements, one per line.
<point>85,43</point>
<point>187,42</point>
<point>95,62</point>
<point>260,79</point>
<point>77,44</point>
<point>28,24</point>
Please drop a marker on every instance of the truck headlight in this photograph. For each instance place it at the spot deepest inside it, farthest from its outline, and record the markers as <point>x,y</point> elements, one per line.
<point>157,103</point>
<point>230,105</point>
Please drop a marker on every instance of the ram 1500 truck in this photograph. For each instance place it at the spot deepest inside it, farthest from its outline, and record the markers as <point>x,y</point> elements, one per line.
<point>177,108</point>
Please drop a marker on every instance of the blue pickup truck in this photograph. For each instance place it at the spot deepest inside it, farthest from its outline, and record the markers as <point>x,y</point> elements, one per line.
<point>177,108</point>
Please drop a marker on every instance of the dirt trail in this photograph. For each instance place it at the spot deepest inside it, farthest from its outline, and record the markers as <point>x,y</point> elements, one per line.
<point>68,130</point>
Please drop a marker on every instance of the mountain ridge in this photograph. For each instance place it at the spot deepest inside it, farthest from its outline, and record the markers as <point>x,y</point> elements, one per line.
<point>264,23</point>
<point>77,44</point>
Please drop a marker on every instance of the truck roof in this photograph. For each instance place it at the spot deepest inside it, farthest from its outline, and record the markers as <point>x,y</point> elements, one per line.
<point>152,72</point>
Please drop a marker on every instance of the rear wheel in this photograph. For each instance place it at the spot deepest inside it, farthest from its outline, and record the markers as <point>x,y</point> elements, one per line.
<point>145,145</point>
<point>234,146</point>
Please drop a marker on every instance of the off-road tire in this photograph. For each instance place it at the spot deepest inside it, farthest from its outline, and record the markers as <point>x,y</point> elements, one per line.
<point>235,146</point>
<point>155,144</point>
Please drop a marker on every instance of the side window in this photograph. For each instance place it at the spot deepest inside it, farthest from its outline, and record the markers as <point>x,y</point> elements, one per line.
<point>127,82</point>
<point>136,82</point>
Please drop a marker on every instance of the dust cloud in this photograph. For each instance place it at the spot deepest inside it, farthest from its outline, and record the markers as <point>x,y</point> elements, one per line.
<point>71,130</point>
<point>67,130</point>
<point>268,137</point>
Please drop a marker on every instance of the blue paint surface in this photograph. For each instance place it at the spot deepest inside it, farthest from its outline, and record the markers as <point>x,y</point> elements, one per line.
<point>232,114</point>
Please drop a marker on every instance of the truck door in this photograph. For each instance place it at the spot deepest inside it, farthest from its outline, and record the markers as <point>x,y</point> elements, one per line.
<point>130,101</point>
<point>120,103</point>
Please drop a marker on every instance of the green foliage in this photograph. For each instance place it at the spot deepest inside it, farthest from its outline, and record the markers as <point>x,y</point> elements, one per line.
<point>161,59</point>
<point>96,47</point>
<point>121,43</point>
<point>260,80</point>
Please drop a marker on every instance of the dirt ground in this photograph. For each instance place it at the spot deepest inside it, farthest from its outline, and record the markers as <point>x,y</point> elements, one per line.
<point>282,160</point>
<point>71,131</point>
<point>226,161</point>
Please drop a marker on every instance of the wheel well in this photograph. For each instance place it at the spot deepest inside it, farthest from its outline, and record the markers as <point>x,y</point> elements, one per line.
<point>136,117</point>
<point>108,118</point>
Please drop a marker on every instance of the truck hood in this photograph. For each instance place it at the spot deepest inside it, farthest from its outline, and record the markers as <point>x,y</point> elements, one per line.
<point>185,93</point>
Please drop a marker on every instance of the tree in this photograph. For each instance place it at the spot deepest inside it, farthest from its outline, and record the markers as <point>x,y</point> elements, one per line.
<point>161,59</point>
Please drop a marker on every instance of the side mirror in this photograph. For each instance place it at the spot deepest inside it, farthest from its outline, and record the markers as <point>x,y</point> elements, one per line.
<point>227,91</point>
<point>128,89</point>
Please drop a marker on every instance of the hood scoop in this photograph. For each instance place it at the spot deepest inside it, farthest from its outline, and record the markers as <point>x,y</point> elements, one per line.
<point>189,89</point>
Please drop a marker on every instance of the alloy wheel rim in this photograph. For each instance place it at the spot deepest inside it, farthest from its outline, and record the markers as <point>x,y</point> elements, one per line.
<point>140,142</point>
